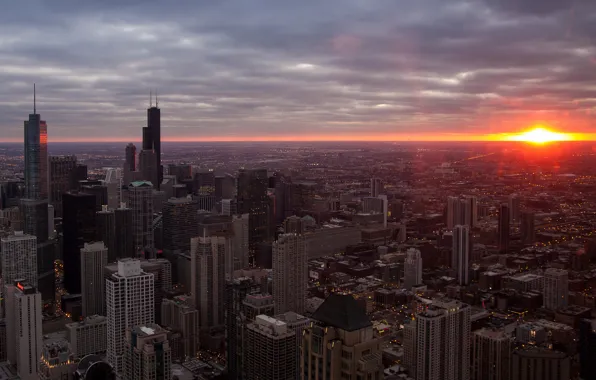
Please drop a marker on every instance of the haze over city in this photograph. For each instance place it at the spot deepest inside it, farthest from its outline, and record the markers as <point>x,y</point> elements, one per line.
<point>275,70</point>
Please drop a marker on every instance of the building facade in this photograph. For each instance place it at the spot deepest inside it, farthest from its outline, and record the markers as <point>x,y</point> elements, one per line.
<point>94,258</point>
<point>290,273</point>
<point>19,258</point>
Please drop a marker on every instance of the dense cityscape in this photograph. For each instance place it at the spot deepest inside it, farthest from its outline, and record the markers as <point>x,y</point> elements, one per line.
<point>296,260</point>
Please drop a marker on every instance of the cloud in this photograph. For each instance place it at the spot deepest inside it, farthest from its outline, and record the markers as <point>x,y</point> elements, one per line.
<point>271,68</point>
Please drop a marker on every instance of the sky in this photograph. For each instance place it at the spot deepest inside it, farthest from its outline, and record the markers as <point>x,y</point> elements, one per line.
<point>298,70</point>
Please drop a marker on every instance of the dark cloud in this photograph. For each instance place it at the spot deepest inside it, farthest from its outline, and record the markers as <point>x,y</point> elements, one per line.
<point>275,68</point>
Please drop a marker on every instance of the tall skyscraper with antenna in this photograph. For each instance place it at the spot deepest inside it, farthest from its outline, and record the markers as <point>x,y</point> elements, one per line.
<point>152,136</point>
<point>36,155</point>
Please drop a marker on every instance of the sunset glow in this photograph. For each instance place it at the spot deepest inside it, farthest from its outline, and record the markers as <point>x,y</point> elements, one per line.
<point>541,135</point>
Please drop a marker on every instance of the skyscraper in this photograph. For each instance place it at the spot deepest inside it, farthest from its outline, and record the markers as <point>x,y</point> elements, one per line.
<point>147,162</point>
<point>491,355</point>
<point>35,218</point>
<point>290,276</point>
<point>36,156</point>
<point>78,227</point>
<point>503,229</point>
<point>514,204</point>
<point>19,258</point>
<point>527,227</point>
<point>131,157</point>
<point>148,355</point>
<point>124,244</point>
<point>460,254</point>
<point>113,183</point>
<point>412,268</point>
<point>208,258</point>
<point>376,187</point>
<point>240,225</point>
<point>556,288</point>
<point>61,179</point>
<point>252,199</point>
<point>141,202</point>
<point>179,314</point>
<point>443,341</point>
<point>106,231</point>
<point>23,327</point>
<point>180,223</point>
<point>152,137</point>
<point>94,257</point>
<point>270,350</point>
<point>129,303</point>
<point>340,344</point>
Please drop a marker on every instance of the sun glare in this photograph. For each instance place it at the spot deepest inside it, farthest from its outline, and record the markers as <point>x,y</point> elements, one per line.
<point>540,135</point>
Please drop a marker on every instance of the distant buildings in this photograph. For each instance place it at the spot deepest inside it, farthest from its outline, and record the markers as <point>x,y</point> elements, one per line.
<point>504,227</point>
<point>376,187</point>
<point>527,227</point>
<point>61,179</point>
<point>290,275</point>
<point>514,204</point>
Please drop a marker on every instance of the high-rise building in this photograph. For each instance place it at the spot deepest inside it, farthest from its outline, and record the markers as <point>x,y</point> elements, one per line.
<point>527,227</point>
<point>61,179</point>
<point>78,228</point>
<point>297,323</point>
<point>504,227</point>
<point>410,344</point>
<point>129,303</point>
<point>514,204</point>
<point>94,257</point>
<point>229,207</point>
<point>534,363</point>
<point>180,171</point>
<point>57,360</point>
<point>36,156</point>
<point>376,187</point>
<point>470,210</point>
<point>443,341</point>
<point>124,245</point>
<point>225,187</point>
<point>148,354</point>
<point>147,162</point>
<point>35,218</point>
<point>141,202</point>
<point>236,319</point>
<point>154,127</point>
<point>587,347</point>
<point>412,268</point>
<point>89,336</point>
<point>460,254</point>
<point>106,231</point>
<point>19,258</point>
<point>491,355</point>
<point>113,183</point>
<point>290,273</point>
<point>208,258</point>
<point>179,314</point>
<point>180,223</point>
<point>131,157</point>
<point>252,199</point>
<point>556,288</point>
<point>462,211</point>
<point>240,241</point>
<point>340,344</point>
<point>23,328</point>
<point>270,350</point>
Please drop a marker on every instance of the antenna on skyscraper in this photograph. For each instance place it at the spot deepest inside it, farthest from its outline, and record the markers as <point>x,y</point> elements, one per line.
<point>156,102</point>
<point>34,100</point>
<point>150,100</point>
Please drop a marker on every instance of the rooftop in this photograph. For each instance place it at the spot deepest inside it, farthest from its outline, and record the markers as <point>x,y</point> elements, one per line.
<point>343,312</point>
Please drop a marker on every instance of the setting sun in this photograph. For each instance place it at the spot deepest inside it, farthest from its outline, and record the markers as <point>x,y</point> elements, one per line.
<point>540,135</point>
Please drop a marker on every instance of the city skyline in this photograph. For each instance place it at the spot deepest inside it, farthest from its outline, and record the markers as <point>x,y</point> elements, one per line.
<point>344,71</point>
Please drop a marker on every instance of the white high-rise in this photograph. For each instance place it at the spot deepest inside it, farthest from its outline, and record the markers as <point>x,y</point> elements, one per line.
<point>240,241</point>
<point>460,254</point>
<point>23,329</point>
<point>94,257</point>
<point>19,258</point>
<point>129,301</point>
<point>290,275</point>
<point>556,288</point>
<point>443,341</point>
<point>208,277</point>
<point>412,268</point>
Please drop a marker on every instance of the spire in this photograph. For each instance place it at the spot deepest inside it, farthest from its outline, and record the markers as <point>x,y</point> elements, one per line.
<point>34,100</point>
<point>156,102</point>
<point>150,99</point>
